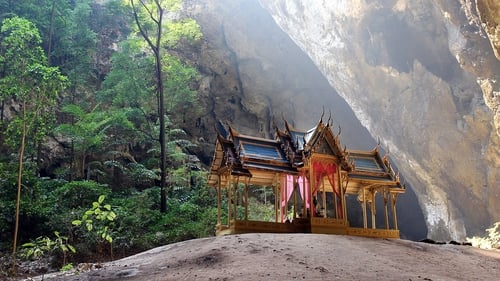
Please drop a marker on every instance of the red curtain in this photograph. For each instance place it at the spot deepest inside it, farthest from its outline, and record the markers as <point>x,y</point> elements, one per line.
<point>329,170</point>
<point>325,169</point>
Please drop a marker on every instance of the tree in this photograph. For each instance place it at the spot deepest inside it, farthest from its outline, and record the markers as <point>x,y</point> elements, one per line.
<point>151,24</point>
<point>86,134</point>
<point>126,88</point>
<point>94,133</point>
<point>34,86</point>
<point>47,15</point>
<point>77,48</point>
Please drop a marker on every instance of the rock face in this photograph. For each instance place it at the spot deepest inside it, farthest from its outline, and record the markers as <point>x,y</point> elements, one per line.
<point>252,71</point>
<point>421,75</point>
<point>267,256</point>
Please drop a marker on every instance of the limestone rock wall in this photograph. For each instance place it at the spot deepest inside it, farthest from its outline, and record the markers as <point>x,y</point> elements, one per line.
<point>423,76</point>
<point>253,72</point>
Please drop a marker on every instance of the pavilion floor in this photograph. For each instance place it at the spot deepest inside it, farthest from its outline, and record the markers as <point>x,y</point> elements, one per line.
<point>304,225</point>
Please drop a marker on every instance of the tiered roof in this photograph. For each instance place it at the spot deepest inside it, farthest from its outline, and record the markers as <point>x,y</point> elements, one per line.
<point>262,158</point>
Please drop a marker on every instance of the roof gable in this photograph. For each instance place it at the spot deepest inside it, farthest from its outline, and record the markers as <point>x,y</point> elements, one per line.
<point>321,139</point>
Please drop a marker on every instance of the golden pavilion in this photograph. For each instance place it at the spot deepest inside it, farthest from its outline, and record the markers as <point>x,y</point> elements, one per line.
<point>307,177</point>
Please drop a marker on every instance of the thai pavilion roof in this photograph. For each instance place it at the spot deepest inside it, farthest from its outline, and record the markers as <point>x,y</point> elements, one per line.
<point>250,156</point>
<point>371,169</point>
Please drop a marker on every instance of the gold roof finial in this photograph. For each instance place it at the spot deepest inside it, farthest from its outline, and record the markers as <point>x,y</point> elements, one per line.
<point>375,149</point>
<point>322,114</point>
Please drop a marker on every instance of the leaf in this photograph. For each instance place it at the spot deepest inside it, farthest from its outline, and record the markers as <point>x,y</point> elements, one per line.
<point>101,199</point>
<point>111,216</point>
<point>76,222</point>
<point>107,207</point>
<point>71,248</point>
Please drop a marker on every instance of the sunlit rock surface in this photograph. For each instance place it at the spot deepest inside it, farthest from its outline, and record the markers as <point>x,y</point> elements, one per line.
<point>252,71</point>
<point>423,76</point>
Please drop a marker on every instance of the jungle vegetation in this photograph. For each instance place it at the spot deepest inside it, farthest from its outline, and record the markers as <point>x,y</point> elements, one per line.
<point>93,165</point>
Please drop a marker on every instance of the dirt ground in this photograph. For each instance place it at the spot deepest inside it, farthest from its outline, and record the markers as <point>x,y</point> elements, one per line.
<point>295,257</point>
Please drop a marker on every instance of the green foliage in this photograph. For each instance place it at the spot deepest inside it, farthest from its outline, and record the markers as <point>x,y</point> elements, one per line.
<point>110,136</point>
<point>135,171</point>
<point>36,210</point>
<point>45,246</point>
<point>37,249</point>
<point>88,130</point>
<point>77,46</point>
<point>139,221</point>
<point>187,29</point>
<point>95,132</point>
<point>491,241</point>
<point>259,211</point>
<point>126,85</point>
<point>186,219</point>
<point>98,223</point>
<point>28,79</point>
<point>78,194</point>
<point>99,219</point>
<point>19,48</point>
<point>192,213</point>
<point>67,267</point>
<point>178,82</point>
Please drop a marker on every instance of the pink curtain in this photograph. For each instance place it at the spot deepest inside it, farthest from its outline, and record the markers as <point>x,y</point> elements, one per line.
<point>287,187</point>
<point>320,170</point>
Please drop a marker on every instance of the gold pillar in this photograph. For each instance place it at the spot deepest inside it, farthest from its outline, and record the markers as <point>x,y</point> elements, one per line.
<point>324,198</point>
<point>246,199</point>
<point>295,183</point>
<point>304,208</point>
<point>230,183</point>
<point>219,201</point>
<point>394,215</point>
<point>365,223</point>
<point>235,203</point>
<point>276,205</point>
<point>342,195</point>
<point>372,205</point>
<point>386,210</point>
<point>284,209</point>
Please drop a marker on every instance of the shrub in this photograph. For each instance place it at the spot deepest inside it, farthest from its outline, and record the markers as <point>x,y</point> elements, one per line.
<point>45,246</point>
<point>77,194</point>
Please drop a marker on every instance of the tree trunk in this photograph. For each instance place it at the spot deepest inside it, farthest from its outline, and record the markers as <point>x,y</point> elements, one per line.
<point>51,31</point>
<point>161,106</point>
<point>19,179</point>
<point>156,48</point>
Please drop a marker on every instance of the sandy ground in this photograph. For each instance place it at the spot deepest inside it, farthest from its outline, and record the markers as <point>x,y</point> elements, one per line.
<point>296,257</point>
